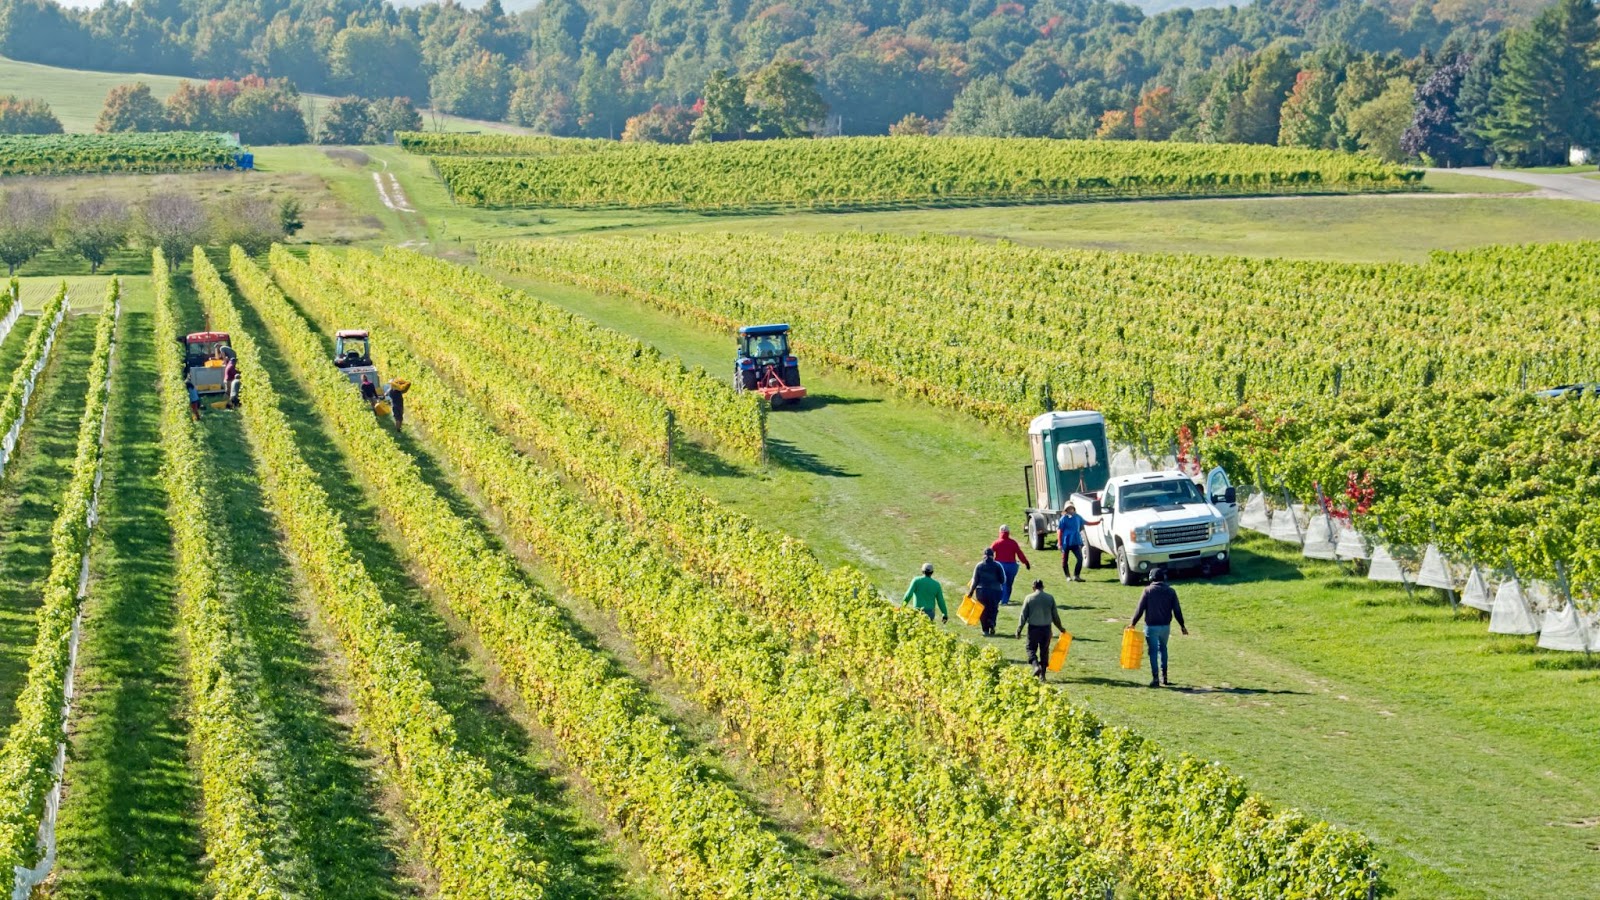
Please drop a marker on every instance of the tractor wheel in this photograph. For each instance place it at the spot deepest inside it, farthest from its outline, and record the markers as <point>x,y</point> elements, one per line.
<point>1096,559</point>
<point>1125,572</point>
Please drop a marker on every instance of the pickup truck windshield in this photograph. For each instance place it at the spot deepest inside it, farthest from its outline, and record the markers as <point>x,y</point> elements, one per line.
<point>1146,495</point>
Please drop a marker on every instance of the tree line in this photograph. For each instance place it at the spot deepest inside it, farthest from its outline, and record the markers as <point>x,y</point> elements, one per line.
<point>91,229</point>
<point>1396,82</point>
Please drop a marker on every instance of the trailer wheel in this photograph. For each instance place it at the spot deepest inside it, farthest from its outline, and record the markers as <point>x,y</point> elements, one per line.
<point>1035,533</point>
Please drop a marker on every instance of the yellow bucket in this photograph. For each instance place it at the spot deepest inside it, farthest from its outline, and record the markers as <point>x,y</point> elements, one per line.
<point>1132,648</point>
<point>381,407</point>
<point>219,404</point>
<point>1058,654</point>
<point>971,610</point>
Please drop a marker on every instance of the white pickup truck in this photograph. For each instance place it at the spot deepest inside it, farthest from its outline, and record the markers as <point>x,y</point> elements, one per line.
<point>1159,519</point>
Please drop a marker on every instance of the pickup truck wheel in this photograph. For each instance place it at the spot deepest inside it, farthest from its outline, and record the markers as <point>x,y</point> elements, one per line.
<point>1095,560</point>
<point>1125,573</point>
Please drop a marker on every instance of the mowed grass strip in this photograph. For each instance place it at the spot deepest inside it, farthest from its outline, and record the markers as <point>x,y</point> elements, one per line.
<point>128,827</point>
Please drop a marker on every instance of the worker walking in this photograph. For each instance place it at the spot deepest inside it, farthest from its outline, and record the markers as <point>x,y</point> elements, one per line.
<point>1007,552</point>
<point>397,403</point>
<point>1069,531</point>
<point>926,592</point>
<point>369,391</point>
<point>988,585</point>
<point>1038,614</point>
<point>1158,607</point>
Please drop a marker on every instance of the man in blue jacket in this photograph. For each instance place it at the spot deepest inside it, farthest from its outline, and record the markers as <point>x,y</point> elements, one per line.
<point>1069,531</point>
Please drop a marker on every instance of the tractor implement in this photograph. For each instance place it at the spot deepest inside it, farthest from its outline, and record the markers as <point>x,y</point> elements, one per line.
<point>205,354</point>
<point>765,365</point>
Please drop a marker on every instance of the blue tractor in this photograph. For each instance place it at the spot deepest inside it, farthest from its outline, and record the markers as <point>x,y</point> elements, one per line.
<point>766,365</point>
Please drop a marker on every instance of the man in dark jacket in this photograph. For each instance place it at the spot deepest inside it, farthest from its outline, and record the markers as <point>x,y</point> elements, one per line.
<point>397,404</point>
<point>988,585</point>
<point>1038,613</point>
<point>1158,607</point>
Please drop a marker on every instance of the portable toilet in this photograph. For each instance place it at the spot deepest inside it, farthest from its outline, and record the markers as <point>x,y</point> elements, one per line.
<point>1070,455</point>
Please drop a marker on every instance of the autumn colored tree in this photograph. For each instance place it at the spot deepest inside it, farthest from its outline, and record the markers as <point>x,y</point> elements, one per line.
<point>661,125</point>
<point>1115,125</point>
<point>912,125</point>
<point>131,107</point>
<point>19,116</point>
<point>1156,116</point>
<point>1306,119</point>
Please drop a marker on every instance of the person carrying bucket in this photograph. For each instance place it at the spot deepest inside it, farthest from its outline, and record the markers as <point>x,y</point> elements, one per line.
<point>988,586</point>
<point>1038,613</point>
<point>1007,553</point>
<point>1158,607</point>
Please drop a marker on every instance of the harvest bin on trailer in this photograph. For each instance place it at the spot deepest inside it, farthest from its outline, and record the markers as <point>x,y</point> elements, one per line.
<point>765,364</point>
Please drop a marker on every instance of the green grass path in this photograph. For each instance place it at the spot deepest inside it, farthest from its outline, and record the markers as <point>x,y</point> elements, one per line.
<point>129,817</point>
<point>30,496</point>
<point>581,867</point>
<point>1468,758</point>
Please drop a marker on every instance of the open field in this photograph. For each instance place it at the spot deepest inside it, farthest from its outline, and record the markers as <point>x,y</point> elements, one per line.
<point>77,95</point>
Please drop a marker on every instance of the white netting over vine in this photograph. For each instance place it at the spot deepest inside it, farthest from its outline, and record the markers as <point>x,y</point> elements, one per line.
<point>1435,570</point>
<point>1321,538</point>
<point>1511,613</point>
<point>1254,515</point>
<point>1476,594</point>
<point>1385,567</point>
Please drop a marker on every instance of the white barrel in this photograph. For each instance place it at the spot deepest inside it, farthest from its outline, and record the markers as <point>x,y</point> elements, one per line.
<point>1075,455</point>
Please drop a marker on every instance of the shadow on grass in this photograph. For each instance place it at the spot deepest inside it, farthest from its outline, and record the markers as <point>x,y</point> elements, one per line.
<point>817,401</point>
<point>540,809</point>
<point>31,499</point>
<point>128,826</point>
<point>694,458</point>
<point>788,456</point>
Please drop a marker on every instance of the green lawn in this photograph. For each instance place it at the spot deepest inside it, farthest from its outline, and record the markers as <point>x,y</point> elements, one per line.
<point>129,825</point>
<point>1455,183</point>
<point>77,95</point>
<point>1327,693</point>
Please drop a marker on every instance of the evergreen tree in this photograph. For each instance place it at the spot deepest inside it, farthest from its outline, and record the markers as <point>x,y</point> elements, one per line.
<point>1544,100</point>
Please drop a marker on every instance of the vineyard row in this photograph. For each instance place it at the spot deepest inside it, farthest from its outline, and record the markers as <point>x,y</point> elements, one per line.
<point>28,760</point>
<point>885,171</point>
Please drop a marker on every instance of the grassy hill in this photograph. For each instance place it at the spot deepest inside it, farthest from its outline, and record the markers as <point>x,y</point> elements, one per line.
<point>76,95</point>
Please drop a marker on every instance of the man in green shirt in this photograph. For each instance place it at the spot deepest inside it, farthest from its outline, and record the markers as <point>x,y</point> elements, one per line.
<point>1038,612</point>
<point>927,593</point>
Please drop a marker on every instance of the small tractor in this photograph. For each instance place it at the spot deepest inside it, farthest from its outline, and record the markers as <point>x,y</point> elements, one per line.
<point>352,353</point>
<point>205,353</point>
<point>765,364</point>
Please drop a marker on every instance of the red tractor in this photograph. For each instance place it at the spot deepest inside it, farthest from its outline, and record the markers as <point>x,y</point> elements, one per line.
<point>205,354</point>
<point>766,365</point>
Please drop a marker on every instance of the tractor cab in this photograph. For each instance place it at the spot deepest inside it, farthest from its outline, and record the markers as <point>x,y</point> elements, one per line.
<point>352,354</point>
<point>765,364</point>
<point>205,353</point>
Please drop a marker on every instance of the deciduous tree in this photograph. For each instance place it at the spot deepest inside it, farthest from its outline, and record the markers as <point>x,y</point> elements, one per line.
<point>784,100</point>
<point>174,222</point>
<point>93,228</point>
<point>20,116</point>
<point>132,107</point>
<point>27,216</point>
